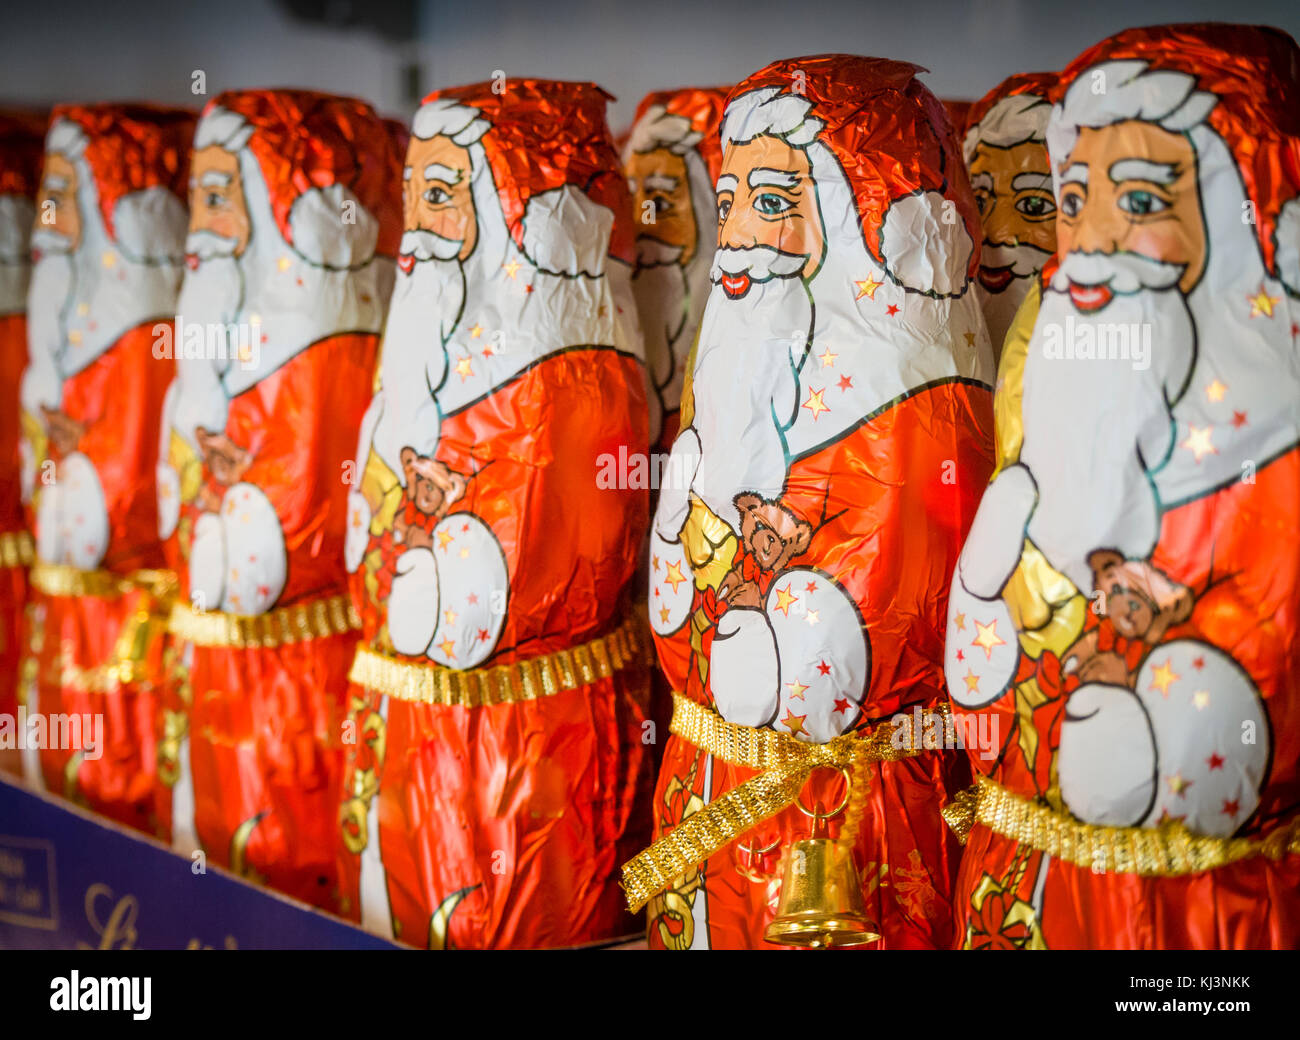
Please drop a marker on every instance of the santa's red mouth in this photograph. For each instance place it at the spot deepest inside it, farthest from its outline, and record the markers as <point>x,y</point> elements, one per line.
<point>735,285</point>
<point>406,262</point>
<point>995,279</point>
<point>192,261</point>
<point>1090,297</point>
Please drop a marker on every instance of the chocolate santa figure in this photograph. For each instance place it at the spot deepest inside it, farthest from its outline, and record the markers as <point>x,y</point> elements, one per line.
<point>1122,610</point>
<point>293,226</point>
<point>107,244</point>
<point>836,428</point>
<point>22,136</point>
<point>1005,148</point>
<point>671,159</point>
<point>501,770</point>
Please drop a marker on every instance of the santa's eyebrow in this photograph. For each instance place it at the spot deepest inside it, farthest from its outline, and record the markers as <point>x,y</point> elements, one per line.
<point>406,173</point>
<point>1031,182</point>
<point>1075,173</point>
<point>982,180</point>
<point>661,182</point>
<point>53,182</point>
<point>214,179</point>
<point>728,182</point>
<point>1143,170</point>
<point>762,176</point>
<point>438,172</point>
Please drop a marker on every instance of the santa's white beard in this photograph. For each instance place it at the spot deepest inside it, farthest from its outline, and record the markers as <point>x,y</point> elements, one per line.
<point>1093,428</point>
<point>654,252</point>
<point>212,293</point>
<point>424,309</point>
<point>746,390</point>
<point>49,297</point>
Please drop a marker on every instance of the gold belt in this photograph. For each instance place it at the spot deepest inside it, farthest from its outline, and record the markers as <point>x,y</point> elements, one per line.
<point>327,616</point>
<point>1169,850</point>
<point>541,676</point>
<point>56,579</point>
<point>786,763</point>
<point>16,549</point>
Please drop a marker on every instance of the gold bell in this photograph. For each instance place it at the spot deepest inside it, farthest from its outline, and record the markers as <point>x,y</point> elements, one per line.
<point>821,898</point>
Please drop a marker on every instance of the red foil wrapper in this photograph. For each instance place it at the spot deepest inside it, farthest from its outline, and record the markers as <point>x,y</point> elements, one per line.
<point>293,226</point>
<point>1005,148</point>
<point>107,249</point>
<point>22,136</point>
<point>836,428</point>
<point>1122,613</point>
<point>671,158</point>
<point>495,530</point>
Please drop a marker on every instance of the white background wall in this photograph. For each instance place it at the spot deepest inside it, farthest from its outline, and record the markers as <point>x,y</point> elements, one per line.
<point>60,50</point>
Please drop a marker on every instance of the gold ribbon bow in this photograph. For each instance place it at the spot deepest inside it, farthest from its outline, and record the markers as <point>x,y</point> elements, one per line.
<point>1169,850</point>
<point>131,658</point>
<point>785,763</point>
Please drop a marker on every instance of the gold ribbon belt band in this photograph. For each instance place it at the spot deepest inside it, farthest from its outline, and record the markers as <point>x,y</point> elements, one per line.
<point>56,579</point>
<point>317,619</point>
<point>16,549</point>
<point>528,680</point>
<point>785,763</point>
<point>1170,850</point>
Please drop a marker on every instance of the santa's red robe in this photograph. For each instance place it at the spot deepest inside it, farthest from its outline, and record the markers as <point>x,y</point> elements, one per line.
<point>100,652</point>
<point>15,541</point>
<point>516,817</point>
<point>266,723</point>
<point>900,525</point>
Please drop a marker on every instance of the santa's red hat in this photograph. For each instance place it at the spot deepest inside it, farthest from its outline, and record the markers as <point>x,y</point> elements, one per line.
<point>22,142</point>
<point>317,152</point>
<point>700,107</point>
<point>899,151</point>
<point>1248,77</point>
<point>542,136</point>
<point>138,156</point>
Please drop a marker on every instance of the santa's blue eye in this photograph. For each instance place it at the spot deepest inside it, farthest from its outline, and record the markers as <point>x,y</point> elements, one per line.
<point>1141,203</point>
<point>771,205</point>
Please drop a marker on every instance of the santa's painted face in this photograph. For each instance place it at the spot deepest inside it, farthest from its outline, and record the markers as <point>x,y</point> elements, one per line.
<point>219,221</point>
<point>59,198</point>
<point>436,200</point>
<point>661,198</point>
<point>766,197</point>
<point>1131,187</point>
<point>1013,189</point>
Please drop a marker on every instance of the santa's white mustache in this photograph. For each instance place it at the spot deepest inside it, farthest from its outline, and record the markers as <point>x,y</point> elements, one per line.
<point>759,262</point>
<point>652,252</point>
<point>428,245</point>
<point>1122,272</point>
<point>46,241</point>
<point>1024,260</point>
<point>206,244</point>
